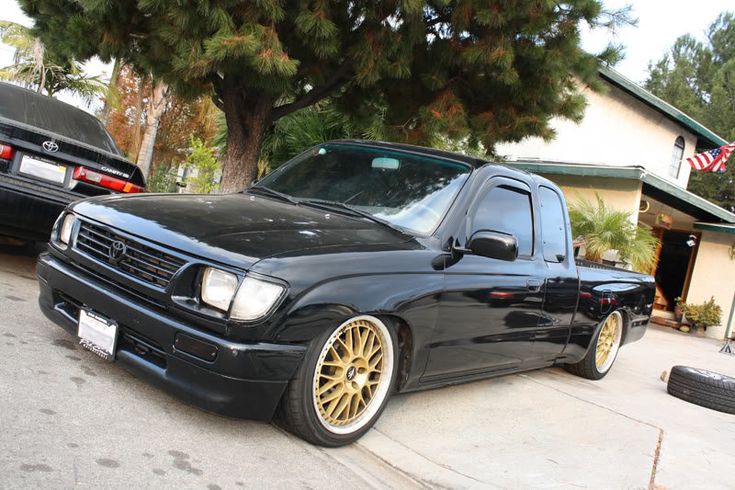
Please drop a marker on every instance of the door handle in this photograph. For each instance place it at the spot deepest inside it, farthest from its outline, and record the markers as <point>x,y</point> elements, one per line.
<point>533,285</point>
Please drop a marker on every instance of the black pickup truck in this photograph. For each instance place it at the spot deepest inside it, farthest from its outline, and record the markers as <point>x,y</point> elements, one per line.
<point>353,271</point>
<point>51,154</point>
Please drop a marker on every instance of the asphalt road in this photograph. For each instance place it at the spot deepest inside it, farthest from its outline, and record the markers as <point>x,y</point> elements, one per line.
<point>69,419</point>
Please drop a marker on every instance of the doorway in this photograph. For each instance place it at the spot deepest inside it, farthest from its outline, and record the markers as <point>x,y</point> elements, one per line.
<point>673,272</point>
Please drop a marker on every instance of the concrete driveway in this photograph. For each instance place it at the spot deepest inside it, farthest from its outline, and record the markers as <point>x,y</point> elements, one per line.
<point>69,419</point>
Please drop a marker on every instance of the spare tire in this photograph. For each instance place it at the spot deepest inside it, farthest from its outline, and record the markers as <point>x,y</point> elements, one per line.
<point>701,387</point>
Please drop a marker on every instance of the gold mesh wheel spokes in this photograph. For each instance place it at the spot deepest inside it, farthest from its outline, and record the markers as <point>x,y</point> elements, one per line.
<point>350,371</point>
<point>608,342</point>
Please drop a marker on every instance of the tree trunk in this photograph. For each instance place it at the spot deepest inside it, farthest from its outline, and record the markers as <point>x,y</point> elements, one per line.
<point>154,111</point>
<point>137,129</point>
<point>247,120</point>
<point>111,89</point>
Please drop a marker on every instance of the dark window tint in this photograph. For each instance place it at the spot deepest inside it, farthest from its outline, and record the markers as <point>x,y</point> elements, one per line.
<point>507,210</point>
<point>553,230</point>
<point>53,116</point>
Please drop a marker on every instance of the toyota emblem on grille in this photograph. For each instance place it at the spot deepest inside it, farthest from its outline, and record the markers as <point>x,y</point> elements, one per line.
<point>117,251</point>
<point>50,146</point>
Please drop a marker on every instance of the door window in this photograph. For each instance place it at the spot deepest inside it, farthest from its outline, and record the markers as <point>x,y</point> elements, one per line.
<point>508,210</point>
<point>553,229</point>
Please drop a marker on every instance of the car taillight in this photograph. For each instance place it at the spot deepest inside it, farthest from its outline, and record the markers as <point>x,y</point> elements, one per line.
<point>86,175</point>
<point>6,152</point>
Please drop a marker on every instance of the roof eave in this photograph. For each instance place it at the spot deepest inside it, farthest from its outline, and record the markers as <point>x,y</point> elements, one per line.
<point>707,137</point>
<point>717,227</point>
<point>663,190</point>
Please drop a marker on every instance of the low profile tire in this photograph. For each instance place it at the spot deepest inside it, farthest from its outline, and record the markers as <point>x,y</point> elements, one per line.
<point>601,356</point>
<point>343,384</point>
<point>703,388</point>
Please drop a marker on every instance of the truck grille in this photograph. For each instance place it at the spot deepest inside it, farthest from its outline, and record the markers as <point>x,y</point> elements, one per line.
<point>138,260</point>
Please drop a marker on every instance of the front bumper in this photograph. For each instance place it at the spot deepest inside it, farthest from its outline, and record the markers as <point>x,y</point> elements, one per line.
<point>243,379</point>
<point>28,208</point>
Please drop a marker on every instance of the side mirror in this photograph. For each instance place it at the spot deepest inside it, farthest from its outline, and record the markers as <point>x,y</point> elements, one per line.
<point>493,244</point>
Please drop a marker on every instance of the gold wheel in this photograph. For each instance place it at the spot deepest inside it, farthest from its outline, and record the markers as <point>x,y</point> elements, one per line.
<point>353,374</point>
<point>608,342</point>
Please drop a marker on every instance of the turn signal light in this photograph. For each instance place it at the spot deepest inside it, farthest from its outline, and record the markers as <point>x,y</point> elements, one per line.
<point>86,175</point>
<point>6,152</point>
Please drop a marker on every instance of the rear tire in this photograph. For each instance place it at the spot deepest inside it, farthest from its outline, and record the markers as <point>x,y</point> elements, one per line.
<point>703,388</point>
<point>602,353</point>
<point>343,383</point>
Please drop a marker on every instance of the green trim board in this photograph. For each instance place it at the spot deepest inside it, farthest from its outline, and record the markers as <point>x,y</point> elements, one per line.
<point>718,227</point>
<point>708,138</point>
<point>653,185</point>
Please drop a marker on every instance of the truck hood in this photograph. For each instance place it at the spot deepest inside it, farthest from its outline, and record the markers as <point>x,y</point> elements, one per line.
<point>234,229</point>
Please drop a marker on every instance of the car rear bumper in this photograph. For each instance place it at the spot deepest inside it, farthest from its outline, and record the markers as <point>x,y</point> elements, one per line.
<point>28,209</point>
<point>240,379</point>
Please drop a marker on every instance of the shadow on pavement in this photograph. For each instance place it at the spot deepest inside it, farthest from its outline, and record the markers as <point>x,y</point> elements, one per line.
<point>29,249</point>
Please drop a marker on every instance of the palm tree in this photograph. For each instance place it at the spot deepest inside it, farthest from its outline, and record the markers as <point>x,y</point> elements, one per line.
<point>601,229</point>
<point>36,68</point>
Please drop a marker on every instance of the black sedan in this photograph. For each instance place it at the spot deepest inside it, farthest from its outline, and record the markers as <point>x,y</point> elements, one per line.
<point>353,271</point>
<point>51,154</point>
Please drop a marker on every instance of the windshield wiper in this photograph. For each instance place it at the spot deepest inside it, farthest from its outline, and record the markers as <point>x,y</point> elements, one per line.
<point>340,206</point>
<point>270,192</point>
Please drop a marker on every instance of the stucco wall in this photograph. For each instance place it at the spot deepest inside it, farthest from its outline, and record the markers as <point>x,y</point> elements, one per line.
<point>714,275</point>
<point>617,129</point>
<point>621,194</point>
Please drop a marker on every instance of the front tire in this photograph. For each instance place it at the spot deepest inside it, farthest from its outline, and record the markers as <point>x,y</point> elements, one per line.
<point>604,350</point>
<point>343,384</point>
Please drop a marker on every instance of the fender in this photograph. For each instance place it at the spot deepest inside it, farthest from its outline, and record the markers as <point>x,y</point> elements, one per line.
<point>412,299</point>
<point>589,333</point>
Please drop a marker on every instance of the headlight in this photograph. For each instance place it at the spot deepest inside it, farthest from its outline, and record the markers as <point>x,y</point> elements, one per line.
<point>218,288</point>
<point>65,230</point>
<point>254,299</point>
<point>251,301</point>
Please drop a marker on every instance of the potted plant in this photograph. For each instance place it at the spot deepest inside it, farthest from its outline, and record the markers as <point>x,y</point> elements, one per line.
<point>678,312</point>
<point>707,314</point>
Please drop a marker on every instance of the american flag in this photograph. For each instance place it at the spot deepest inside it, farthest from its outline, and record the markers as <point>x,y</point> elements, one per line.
<point>712,160</point>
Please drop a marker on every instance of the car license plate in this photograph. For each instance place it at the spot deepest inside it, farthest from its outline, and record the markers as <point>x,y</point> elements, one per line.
<point>97,334</point>
<point>43,170</point>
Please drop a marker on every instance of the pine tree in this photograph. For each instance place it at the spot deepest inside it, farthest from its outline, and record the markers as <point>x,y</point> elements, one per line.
<point>482,70</point>
<point>699,78</point>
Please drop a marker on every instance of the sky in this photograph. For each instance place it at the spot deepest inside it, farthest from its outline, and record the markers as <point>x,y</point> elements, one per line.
<point>659,24</point>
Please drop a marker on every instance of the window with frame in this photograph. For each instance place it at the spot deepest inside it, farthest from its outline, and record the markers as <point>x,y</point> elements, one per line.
<point>553,227</point>
<point>676,155</point>
<point>508,210</point>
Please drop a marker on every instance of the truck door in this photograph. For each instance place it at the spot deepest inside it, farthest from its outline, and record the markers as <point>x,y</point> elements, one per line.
<point>489,309</point>
<point>562,280</point>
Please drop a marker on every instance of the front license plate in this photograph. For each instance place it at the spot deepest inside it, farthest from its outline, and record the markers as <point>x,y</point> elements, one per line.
<point>43,170</point>
<point>97,334</point>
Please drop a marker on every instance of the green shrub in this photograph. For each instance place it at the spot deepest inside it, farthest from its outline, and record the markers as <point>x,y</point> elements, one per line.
<point>707,314</point>
<point>203,159</point>
<point>162,178</point>
<point>602,228</point>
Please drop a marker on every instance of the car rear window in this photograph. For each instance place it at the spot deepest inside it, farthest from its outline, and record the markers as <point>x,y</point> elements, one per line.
<point>40,111</point>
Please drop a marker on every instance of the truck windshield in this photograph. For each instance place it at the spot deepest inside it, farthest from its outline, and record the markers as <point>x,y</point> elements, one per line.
<point>407,190</point>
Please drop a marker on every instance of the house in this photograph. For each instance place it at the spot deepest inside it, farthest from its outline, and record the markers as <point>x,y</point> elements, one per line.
<point>629,149</point>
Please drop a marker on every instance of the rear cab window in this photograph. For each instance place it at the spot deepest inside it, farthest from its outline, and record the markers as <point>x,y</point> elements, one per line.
<point>553,225</point>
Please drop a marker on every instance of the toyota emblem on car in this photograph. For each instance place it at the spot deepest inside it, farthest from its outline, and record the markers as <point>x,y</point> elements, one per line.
<point>50,146</point>
<point>117,251</point>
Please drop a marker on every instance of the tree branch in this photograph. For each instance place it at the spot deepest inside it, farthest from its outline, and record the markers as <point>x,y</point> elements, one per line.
<point>336,81</point>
